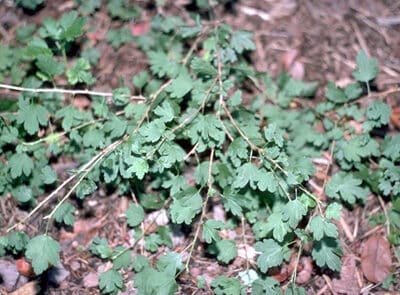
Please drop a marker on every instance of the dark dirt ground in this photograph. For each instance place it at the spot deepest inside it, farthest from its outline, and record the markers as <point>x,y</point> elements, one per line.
<point>314,40</point>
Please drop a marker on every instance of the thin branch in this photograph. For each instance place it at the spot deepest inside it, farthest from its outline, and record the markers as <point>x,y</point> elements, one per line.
<point>100,157</point>
<point>67,91</point>
<point>203,210</point>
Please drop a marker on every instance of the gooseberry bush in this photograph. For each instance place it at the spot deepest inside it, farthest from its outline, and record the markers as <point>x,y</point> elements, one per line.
<point>199,128</point>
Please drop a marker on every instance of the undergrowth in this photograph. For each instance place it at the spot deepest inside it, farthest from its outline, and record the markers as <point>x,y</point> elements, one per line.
<point>199,111</point>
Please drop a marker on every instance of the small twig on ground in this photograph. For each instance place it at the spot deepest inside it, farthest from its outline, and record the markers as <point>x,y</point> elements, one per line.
<point>67,91</point>
<point>387,221</point>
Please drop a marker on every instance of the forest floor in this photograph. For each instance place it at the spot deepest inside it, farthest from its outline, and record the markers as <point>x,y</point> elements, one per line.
<point>313,40</point>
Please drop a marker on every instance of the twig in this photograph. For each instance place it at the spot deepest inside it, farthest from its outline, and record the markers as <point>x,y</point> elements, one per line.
<point>203,210</point>
<point>67,91</point>
<point>57,135</point>
<point>329,283</point>
<point>244,242</point>
<point>54,193</point>
<point>100,157</point>
<point>387,222</point>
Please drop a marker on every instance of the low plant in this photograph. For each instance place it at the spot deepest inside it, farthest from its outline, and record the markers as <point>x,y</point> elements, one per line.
<point>247,139</point>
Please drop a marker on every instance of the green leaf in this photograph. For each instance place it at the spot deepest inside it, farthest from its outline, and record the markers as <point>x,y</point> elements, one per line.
<point>353,91</point>
<point>390,180</point>
<point>333,211</point>
<point>321,227</point>
<point>121,96</point>
<point>391,147</point>
<point>170,263</point>
<point>292,289</point>
<point>16,242</point>
<point>293,88</point>
<point>120,36</point>
<point>242,41</point>
<point>210,232</point>
<point>367,68</point>
<point>271,254</point>
<point>49,66</point>
<point>165,111</point>
<point>335,94</point>
<point>86,187</point>
<point>185,206</point>
<point>71,117</point>
<point>203,67</point>
<point>116,127</point>
<point>100,247</point>
<point>151,281</point>
<point>29,4</point>
<point>111,282</point>
<point>226,286</point>
<point>293,212</point>
<point>344,186</point>
<point>94,138</point>
<point>80,73</point>
<point>65,214</point>
<point>171,153</point>
<point>358,147</point>
<point>378,114</point>
<point>32,116</point>
<point>122,258</point>
<point>237,151</point>
<point>275,224</point>
<point>137,166</point>
<point>248,173</point>
<point>273,134</point>
<point>227,250</point>
<point>181,85</point>
<point>140,79</point>
<point>87,7</point>
<point>48,175</point>
<point>153,131</point>
<point>22,193</point>
<point>20,163</point>
<point>162,65</point>
<point>38,47</point>
<point>268,286</point>
<point>134,215</point>
<point>6,59</point>
<point>123,10</point>
<point>326,252</point>
<point>72,26</point>
<point>140,262</point>
<point>236,99</point>
<point>152,242</point>
<point>207,131</point>
<point>43,251</point>
<point>165,235</point>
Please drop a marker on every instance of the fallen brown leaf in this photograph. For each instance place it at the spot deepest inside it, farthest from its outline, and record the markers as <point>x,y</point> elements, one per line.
<point>347,284</point>
<point>376,258</point>
<point>395,117</point>
<point>24,267</point>
<point>304,270</point>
